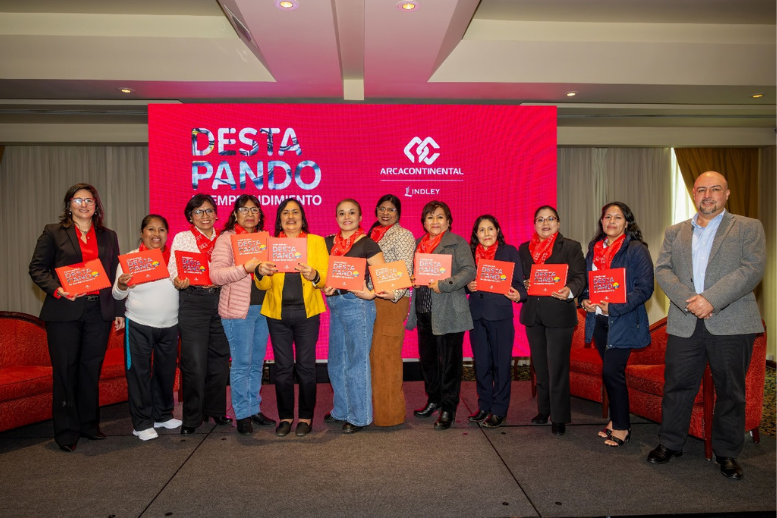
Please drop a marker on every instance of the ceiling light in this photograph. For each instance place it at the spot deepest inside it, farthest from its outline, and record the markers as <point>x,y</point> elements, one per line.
<point>757,96</point>
<point>126,90</point>
<point>571,94</point>
<point>286,5</point>
<point>406,5</point>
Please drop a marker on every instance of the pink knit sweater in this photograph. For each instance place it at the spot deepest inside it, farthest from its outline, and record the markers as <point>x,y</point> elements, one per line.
<point>235,282</point>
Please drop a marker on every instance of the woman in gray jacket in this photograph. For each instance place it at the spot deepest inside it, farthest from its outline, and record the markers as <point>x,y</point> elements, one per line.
<point>441,312</point>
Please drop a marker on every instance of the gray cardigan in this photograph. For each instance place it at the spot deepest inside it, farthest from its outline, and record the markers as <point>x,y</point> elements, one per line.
<point>450,309</point>
<point>735,267</point>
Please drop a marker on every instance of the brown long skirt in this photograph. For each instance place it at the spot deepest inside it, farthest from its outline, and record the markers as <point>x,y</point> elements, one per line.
<point>388,400</point>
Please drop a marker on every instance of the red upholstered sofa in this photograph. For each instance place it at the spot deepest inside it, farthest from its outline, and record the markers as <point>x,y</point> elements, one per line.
<point>25,371</point>
<point>645,381</point>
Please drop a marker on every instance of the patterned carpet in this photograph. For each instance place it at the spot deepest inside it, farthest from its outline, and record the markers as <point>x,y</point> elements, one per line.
<point>522,373</point>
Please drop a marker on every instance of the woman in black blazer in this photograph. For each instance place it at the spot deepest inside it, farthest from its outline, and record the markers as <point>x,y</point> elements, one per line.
<point>77,326</point>
<point>493,333</point>
<point>550,320</point>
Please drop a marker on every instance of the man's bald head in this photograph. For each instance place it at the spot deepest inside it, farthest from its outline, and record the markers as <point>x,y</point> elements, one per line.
<point>710,193</point>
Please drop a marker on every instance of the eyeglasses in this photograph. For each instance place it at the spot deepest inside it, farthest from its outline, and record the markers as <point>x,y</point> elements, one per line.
<point>390,210</point>
<point>549,219</point>
<point>83,201</point>
<point>200,212</point>
<point>246,210</point>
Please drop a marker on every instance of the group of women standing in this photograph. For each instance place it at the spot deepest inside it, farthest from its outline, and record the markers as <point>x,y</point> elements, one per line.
<point>249,303</point>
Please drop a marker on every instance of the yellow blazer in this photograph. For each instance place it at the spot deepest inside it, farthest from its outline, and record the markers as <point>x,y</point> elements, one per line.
<point>318,258</point>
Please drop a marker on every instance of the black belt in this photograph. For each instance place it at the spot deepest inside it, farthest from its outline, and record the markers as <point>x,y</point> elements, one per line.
<point>204,289</point>
<point>91,298</point>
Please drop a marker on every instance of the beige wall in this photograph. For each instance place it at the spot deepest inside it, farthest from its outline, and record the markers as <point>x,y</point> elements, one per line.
<point>767,213</point>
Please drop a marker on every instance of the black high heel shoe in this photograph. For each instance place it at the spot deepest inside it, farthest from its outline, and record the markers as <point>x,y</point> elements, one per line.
<point>223,420</point>
<point>618,442</point>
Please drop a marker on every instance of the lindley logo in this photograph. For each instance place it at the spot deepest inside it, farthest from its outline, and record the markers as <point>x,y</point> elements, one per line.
<point>410,191</point>
<point>421,150</point>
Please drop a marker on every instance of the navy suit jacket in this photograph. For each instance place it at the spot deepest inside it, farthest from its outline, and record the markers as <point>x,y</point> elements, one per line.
<point>495,306</point>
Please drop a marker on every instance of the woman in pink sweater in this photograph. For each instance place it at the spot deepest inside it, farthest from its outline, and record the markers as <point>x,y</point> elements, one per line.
<point>240,306</point>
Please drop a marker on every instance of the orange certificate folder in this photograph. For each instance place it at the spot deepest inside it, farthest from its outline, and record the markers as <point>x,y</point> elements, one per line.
<point>389,276</point>
<point>83,277</point>
<point>346,273</point>
<point>547,278</point>
<point>286,252</point>
<point>607,286</point>
<point>495,276</point>
<point>247,246</point>
<point>145,266</point>
<point>431,267</point>
<point>193,266</point>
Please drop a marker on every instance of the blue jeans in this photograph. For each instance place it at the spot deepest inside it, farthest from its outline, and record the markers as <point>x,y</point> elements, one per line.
<point>247,345</point>
<point>350,339</point>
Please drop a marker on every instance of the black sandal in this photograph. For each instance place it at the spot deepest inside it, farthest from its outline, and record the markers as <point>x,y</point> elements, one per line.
<point>618,442</point>
<point>605,433</point>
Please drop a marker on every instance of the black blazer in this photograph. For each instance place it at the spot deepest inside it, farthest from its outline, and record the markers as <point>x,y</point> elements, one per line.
<point>555,313</point>
<point>58,246</point>
<point>495,306</point>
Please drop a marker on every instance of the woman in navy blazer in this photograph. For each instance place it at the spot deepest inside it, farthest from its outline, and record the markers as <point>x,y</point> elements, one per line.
<point>616,329</point>
<point>493,333</point>
<point>550,321</point>
<point>77,326</point>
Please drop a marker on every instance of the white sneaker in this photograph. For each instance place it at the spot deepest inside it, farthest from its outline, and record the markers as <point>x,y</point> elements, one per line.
<point>145,435</point>
<point>169,424</point>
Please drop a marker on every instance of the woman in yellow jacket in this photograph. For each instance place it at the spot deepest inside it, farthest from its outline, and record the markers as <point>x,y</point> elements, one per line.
<point>292,306</point>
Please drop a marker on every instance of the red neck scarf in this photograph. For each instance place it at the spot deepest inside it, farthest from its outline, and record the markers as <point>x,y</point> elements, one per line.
<point>482,253</point>
<point>429,243</point>
<point>378,232</point>
<point>300,236</point>
<point>541,250</point>
<point>204,244</point>
<point>603,255</point>
<point>342,245</point>
<point>165,251</point>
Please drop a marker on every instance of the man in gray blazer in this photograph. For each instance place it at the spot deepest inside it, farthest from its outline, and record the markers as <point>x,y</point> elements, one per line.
<point>708,267</point>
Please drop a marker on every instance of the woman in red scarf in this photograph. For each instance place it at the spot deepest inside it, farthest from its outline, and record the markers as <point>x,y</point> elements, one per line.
<point>441,312</point>
<point>550,320</point>
<point>616,329</point>
<point>493,333</point>
<point>351,320</point>
<point>204,346</point>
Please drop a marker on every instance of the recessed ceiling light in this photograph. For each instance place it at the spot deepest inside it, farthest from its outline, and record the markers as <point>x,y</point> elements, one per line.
<point>126,90</point>
<point>757,96</point>
<point>571,94</point>
<point>406,5</point>
<point>286,5</point>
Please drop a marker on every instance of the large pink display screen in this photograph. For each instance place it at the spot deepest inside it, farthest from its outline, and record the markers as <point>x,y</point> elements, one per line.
<point>498,160</point>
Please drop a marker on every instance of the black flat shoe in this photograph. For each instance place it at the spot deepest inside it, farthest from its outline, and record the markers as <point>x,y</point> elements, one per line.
<point>493,421</point>
<point>262,420</point>
<point>445,420</point>
<point>283,429</point>
<point>540,419</point>
<point>69,448</point>
<point>187,430</point>
<point>328,419</point>
<point>662,455</point>
<point>351,428</point>
<point>558,428</point>
<point>223,420</point>
<point>729,467</point>
<point>244,426</point>
<point>303,429</point>
<point>96,436</point>
<point>426,411</point>
<point>478,416</point>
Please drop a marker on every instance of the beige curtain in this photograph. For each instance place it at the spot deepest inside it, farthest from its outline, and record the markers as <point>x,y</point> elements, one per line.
<point>33,182</point>
<point>767,290</point>
<point>738,165</point>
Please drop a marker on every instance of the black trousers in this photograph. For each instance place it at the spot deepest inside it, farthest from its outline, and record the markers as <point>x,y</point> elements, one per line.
<point>614,361</point>
<point>492,348</point>
<point>440,357</point>
<point>150,384</point>
<point>550,347</point>
<point>293,331</point>
<point>686,358</point>
<point>204,356</point>
<point>77,350</point>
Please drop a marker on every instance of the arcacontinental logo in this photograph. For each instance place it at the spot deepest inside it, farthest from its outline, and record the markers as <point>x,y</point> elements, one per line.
<point>421,149</point>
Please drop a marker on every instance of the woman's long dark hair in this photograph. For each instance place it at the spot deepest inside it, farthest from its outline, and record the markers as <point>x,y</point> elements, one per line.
<point>66,219</point>
<point>394,201</point>
<point>473,240</point>
<point>241,202</point>
<point>632,229</point>
<point>282,207</point>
